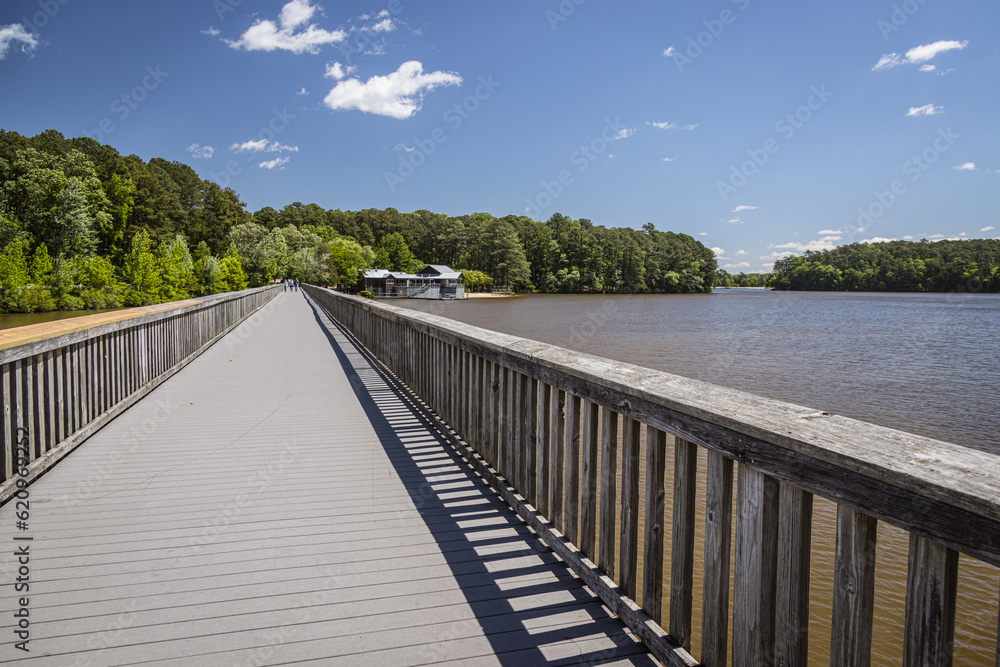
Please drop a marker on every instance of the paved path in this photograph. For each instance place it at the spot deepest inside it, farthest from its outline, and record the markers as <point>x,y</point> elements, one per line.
<point>277,502</point>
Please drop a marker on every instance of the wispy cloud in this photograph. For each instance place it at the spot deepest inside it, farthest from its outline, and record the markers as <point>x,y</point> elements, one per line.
<point>693,126</point>
<point>397,95</point>
<point>293,34</point>
<point>625,133</point>
<point>338,71</point>
<point>918,54</point>
<point>278,162</point>
<point>745,207</point>
<point>736,220</point>
<point>15,33</point>
<point>830,232</point>
<point>824,243</point>
<point>302,92</point>
<point>719,252</point>
<point>926,110</point>
<point>738,265</point>
<point>987,229</point>
<point>262,146</point>
<point>212,31</point>
<point>670,52</point>
<point>200,152</point>
<point>670,159</point>
<point>665,125</point>
<point>741,252</point>
<point>967,166</point>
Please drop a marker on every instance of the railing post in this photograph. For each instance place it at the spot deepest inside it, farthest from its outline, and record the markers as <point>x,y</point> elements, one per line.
<point>572,504</point>
<point>853,589</point>
<point>652,562</point>
<point>794,549</point>
<point>931,587</point>
<point>609,470</point>
<point>588,491</point>
<point>682,549</point>
<point>718,540</point>
<point>557,462</point>
<point>544,434</point>
<point>756,568</point>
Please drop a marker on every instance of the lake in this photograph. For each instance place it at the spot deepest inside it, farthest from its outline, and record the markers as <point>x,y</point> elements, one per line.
<point>924,363</point>
<point>11,320</point>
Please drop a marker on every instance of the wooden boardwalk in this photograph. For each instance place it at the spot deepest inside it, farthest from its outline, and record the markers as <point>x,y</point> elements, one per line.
<point>275,502</point>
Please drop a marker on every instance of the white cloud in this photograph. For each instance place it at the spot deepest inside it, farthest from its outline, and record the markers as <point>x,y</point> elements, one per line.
<point>669,159</point>
<point>917,55</point>
<point>741,252</point>
<point>745,207</point>
<point>702,233</point>
<point>293,35</point>
<point>987,229</point>
<point>719,252</point>
<point>926,110</point>
<point>967,166</point>
<point>825,243</point>
<point>303,92</point>
<point>670,52</point>
<point>338,71</point>
<point>928,68</point>
<point>397,95</point>
<point>15,32</point>
<point>693,126</point>
<point>212,31</point>
<point>276,162</point>
<point>738,265</point>
<point>878,239</point>
<point>612,155</point>
<point>625,133</point>
<point>262,145</point>
<point>200,152</point>
<point>404,147</point>
<point>828,232</point>
<point>735,221</point>
<point>665,125</point>
<point>908,237</point>
<point>385,25</point>
<point>925,52</point>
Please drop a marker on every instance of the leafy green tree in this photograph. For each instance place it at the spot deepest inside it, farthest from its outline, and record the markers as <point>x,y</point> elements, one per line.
<point>348,261</point>
<point>142,273</point>
<point>176,269</point>
<point>231,277</point>
<point>393,253</point>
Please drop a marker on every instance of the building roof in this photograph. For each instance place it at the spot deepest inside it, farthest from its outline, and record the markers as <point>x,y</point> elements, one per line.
<point>435,268</point>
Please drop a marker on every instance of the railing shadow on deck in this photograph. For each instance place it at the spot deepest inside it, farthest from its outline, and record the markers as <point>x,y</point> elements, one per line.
<point>499,575</point>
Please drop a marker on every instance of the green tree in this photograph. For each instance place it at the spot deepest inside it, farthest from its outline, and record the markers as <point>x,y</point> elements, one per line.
<point>142,272</point>
<point>231,277</point>
<point>393,253</point>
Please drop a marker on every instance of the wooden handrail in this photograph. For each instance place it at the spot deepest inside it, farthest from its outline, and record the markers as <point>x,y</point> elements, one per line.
<point>510,399</point>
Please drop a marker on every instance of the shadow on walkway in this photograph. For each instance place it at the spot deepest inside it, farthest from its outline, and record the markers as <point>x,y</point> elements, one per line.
<point>530,606</point>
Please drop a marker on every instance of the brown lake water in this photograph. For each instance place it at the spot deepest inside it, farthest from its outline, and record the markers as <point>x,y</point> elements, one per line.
<point>924,363</point>
<point>11,320</point>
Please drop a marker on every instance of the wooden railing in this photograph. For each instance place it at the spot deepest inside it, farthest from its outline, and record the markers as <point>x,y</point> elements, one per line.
<point>540,422</point>
<point>62,381</point>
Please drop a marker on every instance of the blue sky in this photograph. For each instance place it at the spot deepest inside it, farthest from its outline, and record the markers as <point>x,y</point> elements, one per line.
<point>761,129</point>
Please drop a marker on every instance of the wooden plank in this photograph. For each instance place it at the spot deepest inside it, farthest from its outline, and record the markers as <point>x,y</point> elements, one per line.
<point>516,444</point>
<point>572,504</point>
<point>794,550</point>
<point>931,594</point>
<point>507,460</point>
<point>9,435</point>
<point>588,483</point>
<point>544,438</point>
<point>557,462</point>
<point>609,496</point>
<point>718,541</point>
<point>652,562</point>
<point>853,589</point>
<point>682,545</point>
<point>756,568</point>
<point>629,542</point>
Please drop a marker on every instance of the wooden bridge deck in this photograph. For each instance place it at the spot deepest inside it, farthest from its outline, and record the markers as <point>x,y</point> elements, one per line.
<point>278,502</point>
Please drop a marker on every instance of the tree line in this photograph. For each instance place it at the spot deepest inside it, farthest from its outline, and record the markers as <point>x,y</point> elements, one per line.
<point>896,266</point>
<point>82,226</point>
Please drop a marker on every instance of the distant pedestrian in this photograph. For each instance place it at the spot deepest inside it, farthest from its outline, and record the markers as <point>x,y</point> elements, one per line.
<point>296,284</point>
<point>284,285</point>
